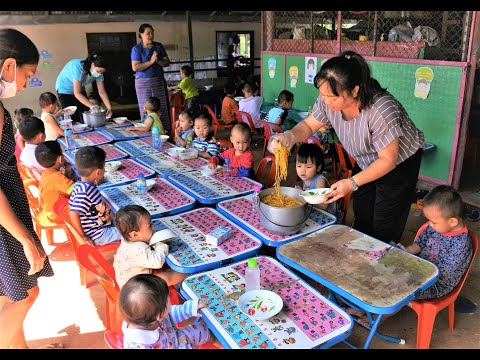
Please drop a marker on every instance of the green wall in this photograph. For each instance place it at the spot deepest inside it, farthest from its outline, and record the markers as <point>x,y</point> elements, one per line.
<point>435,116</point>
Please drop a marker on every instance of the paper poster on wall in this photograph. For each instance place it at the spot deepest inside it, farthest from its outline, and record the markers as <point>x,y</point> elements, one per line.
<point>35,81</point>
<point>310,69</point>
<point>272,65</point>
<point>293,72</point>
<point>44,55</point>
<point>424,77</point>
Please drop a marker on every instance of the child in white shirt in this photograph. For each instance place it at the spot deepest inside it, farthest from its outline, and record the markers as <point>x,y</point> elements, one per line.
<point>32,130</point>
<point>251,104</point>
<point>50,113</point>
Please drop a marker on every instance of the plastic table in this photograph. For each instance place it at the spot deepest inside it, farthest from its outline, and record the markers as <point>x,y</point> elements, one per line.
<point>91,138</point>
<point>111,152</point>
<point>307,319</point>
<point>165,165</point>
<point>350,264</point>
<point>139,147</point>
<point>119,133</point>
<point>125,174</point>
<point>240,211</point>
<point>189,253</point>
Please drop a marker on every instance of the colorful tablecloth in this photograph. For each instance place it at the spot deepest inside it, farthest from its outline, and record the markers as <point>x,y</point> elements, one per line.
<point>91,138</point>
<point>139,147</point>
<point>111,152</point>
<point>165,165</point>
<point>126,173</point>
<point>119,133</point>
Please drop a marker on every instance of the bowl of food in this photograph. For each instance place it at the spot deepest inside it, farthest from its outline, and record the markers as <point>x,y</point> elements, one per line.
<point>182,153</point>
<point>260,304</point>
<point>315,196</point>
<point>207,171</point>
<point>112,165</point>
<point>70,110</point>
<point>120,120</point>
<point>150,183</point>
<point>175,152</point>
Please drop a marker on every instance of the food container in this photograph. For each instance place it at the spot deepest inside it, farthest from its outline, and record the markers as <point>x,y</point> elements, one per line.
<point>316,196</point>
<point>218,235</point>
<point>96,119</point>
<point>182,153</point>
<point>260,304</point>
<point>280,220</point>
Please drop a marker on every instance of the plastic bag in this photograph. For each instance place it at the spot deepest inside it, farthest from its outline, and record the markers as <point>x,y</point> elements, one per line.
<point>427,34</point>
<point>402,32</point>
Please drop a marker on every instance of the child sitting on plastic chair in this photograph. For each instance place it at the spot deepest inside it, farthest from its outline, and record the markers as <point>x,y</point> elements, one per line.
<point>150,319</point>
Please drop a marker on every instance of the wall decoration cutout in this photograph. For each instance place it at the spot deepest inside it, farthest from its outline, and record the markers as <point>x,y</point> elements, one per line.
<point>310,69</point>
<point>46,65</point>
<point>272,65</point>
<point>424,77</point>
<point>44,55</point>
<point>293,72</point>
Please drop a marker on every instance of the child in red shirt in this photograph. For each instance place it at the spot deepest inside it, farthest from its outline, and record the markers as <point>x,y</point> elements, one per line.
<point>241,157</point>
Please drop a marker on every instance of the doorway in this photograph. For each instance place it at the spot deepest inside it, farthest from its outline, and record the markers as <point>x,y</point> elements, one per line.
<point>243,43</point>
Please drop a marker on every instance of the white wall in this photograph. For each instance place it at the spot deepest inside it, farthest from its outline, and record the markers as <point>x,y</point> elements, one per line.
<point>68,41</point>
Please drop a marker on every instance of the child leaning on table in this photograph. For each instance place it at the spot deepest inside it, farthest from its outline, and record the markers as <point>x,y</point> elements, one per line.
<point>89,212</point>
<point>241,157</point>
<point>444,241</point>
<point>151,117</point>
<point>50,113</point>
<point>135,255</point>
<point>53,183</point>
<point>184,132</point>
<point>204,140</point>
<point>149,319</point>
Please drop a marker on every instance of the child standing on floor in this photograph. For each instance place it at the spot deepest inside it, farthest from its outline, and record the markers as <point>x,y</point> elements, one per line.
<point>184,132</point>
<point>204,140</point>
<point>32,130</point>
<point>149,319</point>
<point>251,103</point>
<point>444,240</point>
<point>279,113</point>
<point>151,117</point>
<point>50,113</point>
<point>135,255</point>
<point>19,116</point>
<point>53,183</point>
<point>310,164</point>
<point>229,104</point>
<point>89,212</point>
<point>188,88</point>
<point>241,157</point>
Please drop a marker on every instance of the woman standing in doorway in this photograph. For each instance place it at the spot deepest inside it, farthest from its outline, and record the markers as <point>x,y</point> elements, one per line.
<point>22,257</point>
<point>148,60</point>
<point>74,77</point>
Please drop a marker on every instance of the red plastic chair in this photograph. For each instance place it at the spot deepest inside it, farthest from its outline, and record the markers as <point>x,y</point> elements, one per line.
<point>261,170</point>
<point>217,124</point>
<point>243,116</point>
<point>268,130</point>
<point>344,203</point>
<point>224,144</point>
<point>344,166</point>
<point>427,310</point>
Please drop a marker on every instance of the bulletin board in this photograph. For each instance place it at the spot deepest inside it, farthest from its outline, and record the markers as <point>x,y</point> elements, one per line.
<point>436,115</point>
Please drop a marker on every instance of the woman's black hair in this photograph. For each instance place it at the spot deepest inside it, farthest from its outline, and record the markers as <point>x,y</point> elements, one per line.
<point>16,45</point>
<point>97,59</point>
<point>142,28</point>
<point>344,72</point>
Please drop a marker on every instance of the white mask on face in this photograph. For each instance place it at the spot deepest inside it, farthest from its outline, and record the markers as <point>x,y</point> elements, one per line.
<point>7,89</point>
<point>95,74</point>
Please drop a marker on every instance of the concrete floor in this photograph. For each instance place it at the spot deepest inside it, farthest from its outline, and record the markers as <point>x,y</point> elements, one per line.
<point>69,313</point>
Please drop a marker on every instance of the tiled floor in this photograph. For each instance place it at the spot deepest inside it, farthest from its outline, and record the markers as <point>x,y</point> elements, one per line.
<point>74,315</point>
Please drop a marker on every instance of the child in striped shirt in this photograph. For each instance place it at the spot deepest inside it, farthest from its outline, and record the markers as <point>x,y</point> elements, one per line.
<point>89,212</point>
<point>149,319</point>
<point>204,140</point>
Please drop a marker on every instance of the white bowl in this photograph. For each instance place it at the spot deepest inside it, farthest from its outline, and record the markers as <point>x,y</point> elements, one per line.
<point>303,114</point>
<point>162,235</point>
<point>182,153</point>
<point>150,183</point>
<point>175,152</point>
<point>120,120</point>
<point>79,126</point>
<point>112,165</point>
<point>208,87</point>
<point>70,110</point>
<point>260,304</point>
<point>164,138</point>
<point>315,196</point>
<point>238,98</point>
<point>207,171</point>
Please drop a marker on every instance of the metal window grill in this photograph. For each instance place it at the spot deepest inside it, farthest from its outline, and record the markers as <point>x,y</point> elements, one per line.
<point>432,35</point>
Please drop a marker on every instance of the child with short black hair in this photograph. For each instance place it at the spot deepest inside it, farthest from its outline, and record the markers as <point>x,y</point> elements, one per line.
<point>229,104</point>
<point>444,240</point>
<point>135,255</point>
<point>32,131</point>
<point>151,116</point>
<point>50,113</point>
<point>204,140</point>
<point>184,132</point>
<point>310,164</point>
<point>89,212</point>
<point>19,115</point>
<point>241,157</point>
<point>188,88</point>
<point>53,183</point>
<point>279,113</point>
<point>149,319</point>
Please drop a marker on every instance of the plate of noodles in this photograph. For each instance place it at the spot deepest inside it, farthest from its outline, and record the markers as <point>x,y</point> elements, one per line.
<point>315,196</point>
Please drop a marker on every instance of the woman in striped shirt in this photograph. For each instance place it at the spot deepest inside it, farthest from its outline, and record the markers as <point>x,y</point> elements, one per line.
<point>377,132</point>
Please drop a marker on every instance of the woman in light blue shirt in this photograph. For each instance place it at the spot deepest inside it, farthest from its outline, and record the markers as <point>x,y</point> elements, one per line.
<point>74,77</point>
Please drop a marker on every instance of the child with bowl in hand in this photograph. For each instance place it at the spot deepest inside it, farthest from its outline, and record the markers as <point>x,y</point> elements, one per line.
<point>149,319</point>
<point>151,117</point>
<point>241,157</point>
<point>135,255</point>
<point>310,164</point>
<point>204,140</point>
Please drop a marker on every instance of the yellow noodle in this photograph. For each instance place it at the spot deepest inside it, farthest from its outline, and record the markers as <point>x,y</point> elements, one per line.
<point>280,201</point>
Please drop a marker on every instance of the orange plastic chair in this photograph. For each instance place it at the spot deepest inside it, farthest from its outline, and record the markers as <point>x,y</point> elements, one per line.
<point>243,116</point>
<point>217,124</point>
<point>268,129</point>
<point>39,217</point>
<point>177,101</point>
<point>62,209</point>
<point>427,310</point>
<point>27,172</point>
<point>261,170</point>
<point>174,119</point>
<point>224,144</point>
<point>344,203</point>
<point>342,161</point>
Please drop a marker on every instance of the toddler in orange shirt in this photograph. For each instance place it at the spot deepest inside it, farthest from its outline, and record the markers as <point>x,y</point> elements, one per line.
<point>229,104</point>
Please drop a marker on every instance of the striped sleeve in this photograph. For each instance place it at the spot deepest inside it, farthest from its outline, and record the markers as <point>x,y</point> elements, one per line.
<point>182,312</point>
